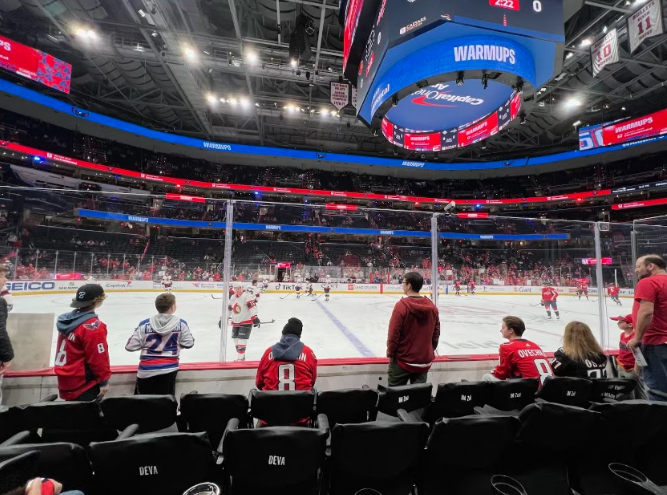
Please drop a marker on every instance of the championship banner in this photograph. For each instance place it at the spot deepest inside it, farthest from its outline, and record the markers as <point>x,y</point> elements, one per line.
<point>604,51</point>
<point>340,95</point>
<point>644,24</point>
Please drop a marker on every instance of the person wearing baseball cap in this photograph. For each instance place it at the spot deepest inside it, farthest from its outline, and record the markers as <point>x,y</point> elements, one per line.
<point>82,353</point>
<point>626,359</point>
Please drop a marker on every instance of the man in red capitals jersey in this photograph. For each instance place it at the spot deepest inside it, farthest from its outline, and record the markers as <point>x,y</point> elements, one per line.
<point>82,357</point>
<point>582,288</point>
<point>549,296</point>
<point>519,358</point>
<point>613,291</point>
<point>243,308</point>
<point>288,364</point>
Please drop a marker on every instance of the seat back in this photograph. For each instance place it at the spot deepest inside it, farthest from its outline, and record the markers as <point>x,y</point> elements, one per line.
<point>511,395</point>
<point>64,462</point>
<point>10,422</point>
<point>408,397</point>
<point>466,452</point>
<point>379,455</point>
<point>56,421</point>
<point>16,471</point>
<point>152,463</point>
<point>150,412</point>
<point>211,412</point>
<point>353,405</point>
<point>282,407</point>
<point>453,400</point>
<point>611,388</point>
<point>281,459</point>
<point>566,390</point>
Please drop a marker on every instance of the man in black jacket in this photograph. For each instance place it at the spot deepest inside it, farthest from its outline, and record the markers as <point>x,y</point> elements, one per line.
<point>6,350</point>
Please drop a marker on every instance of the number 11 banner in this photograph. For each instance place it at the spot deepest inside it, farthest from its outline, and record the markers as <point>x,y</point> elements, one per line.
<point>604,51</point>
<point>644,24</point>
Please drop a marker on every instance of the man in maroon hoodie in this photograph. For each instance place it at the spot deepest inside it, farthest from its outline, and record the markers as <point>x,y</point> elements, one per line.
<point>414,332</point>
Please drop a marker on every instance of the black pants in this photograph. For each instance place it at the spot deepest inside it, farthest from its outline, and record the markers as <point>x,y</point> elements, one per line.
<point>157,385</point>
<point>89,395</point>
<point>399,376</point>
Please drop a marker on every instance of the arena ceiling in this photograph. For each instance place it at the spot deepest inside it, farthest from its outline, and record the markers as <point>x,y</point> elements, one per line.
<point>166,64</point>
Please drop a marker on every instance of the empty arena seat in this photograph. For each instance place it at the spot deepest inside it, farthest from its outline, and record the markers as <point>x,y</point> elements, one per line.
<point>282,407</point>
<point>453,400</point>
<point>211,413</point>
<point>510,395</point>
<point>150,412</point>
<point>407,397</point>
<point>65,462</point>
<point>612,389</point>
<point>463,453</point>
<point>164,463</point>
<point>281,460</point>
<point>566,390</point>
<point>551,432</point>
<point>73,422</point>
<point>380,455</point>
<point>10,422</point>
<point>355,405</point>
<point>16,471</point>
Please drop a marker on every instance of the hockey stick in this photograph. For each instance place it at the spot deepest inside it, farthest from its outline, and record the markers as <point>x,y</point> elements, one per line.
<point>287,295</point>
<point>217,298</point>
<point>314,298</point>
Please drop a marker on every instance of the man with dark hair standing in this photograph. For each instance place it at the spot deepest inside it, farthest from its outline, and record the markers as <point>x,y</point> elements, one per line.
<point>649,313</point>
<point>160,340</point>
<point>82,353</point>
<point>414,333</point>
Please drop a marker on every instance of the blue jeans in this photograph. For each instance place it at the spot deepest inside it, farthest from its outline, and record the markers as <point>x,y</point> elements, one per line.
<point>655,374</point>
<point>72,492</point>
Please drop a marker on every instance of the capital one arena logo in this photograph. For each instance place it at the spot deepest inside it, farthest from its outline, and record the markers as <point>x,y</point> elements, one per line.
<point>441,95</point>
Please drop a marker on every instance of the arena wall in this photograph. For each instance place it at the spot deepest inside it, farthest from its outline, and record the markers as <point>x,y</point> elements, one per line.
<point>35,287</point>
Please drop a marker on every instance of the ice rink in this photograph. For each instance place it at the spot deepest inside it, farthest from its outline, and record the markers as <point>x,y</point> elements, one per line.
<point>346,326</point>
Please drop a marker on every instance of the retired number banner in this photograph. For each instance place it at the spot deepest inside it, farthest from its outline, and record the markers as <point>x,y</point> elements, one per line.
<point>340,95</point>
<point>644,24</point>
<point>604,51</point>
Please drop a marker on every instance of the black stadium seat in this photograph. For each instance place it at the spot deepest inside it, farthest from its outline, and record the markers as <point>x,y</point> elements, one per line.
<point>453,400</point>
<point>511,395</point>
<point>569,391</point>
<point>407,397</point>
<point>276,460</point>
<point>10,422</point>
<point>154,463</point>
<point>16,471</point>
<point>211,413</point>
<point>282,408</point>
<point>64,462</point>
<point>463,453</point>
<point>380,455</point>
<point>150,412</point>
<point>354,405</point>
<point>612,389</point>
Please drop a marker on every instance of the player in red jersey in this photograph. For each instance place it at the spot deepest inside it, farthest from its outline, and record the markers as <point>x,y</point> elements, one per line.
<point>582,288</point>
<point>549,296</point>
<point>457,288</point>
<point>288,364</point>
<point>82,356</point>
<point>519,358</point>
<point>471,287</point>
<point>613,291</point>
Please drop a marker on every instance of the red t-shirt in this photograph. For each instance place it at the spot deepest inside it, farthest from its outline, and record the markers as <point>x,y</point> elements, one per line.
<point>522,358</point>
<point>625,357</point>
<point>549,294</point>
<point>653,289</point>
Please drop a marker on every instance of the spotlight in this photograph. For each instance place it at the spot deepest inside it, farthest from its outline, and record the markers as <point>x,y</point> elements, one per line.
<point>211,99</point>
<point>293,62</point>
<point>252,57</point>
<point>485,81</point>
<point>460,79</point>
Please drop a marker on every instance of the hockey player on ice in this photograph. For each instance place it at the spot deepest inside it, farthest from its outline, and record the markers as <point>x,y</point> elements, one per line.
<point>549,296</point>
<point>327,288</point>
<point>309,289</point>
<point>254,290</point>
<point>265,285</point>
<point>457,288</point>
<point>613,291</point>
<point>166,282</point>
<point>471,287</point>
<point>243,308</point>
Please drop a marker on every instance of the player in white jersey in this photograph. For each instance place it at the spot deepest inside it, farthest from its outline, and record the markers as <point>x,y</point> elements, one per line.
<point>243,308</point>
<point>327,288</point>
<point>297,288</point>
<point>166,282</point>
<point>254,290</point>
<point>309,289</point>
<point>265,285</point>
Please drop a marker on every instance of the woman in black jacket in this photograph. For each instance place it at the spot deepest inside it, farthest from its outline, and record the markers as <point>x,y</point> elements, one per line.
<point>580,356</point>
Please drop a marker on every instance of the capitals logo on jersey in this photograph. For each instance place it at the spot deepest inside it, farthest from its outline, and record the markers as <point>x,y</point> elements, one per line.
<point>93,325</point>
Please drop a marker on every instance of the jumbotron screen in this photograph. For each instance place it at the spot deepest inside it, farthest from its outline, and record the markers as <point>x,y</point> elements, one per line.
<point>35,64</point>
<point>623,131</point>
<point>457,137</point>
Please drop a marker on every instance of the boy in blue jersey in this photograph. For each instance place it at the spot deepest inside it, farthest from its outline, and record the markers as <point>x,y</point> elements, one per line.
<point>160,340</point>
